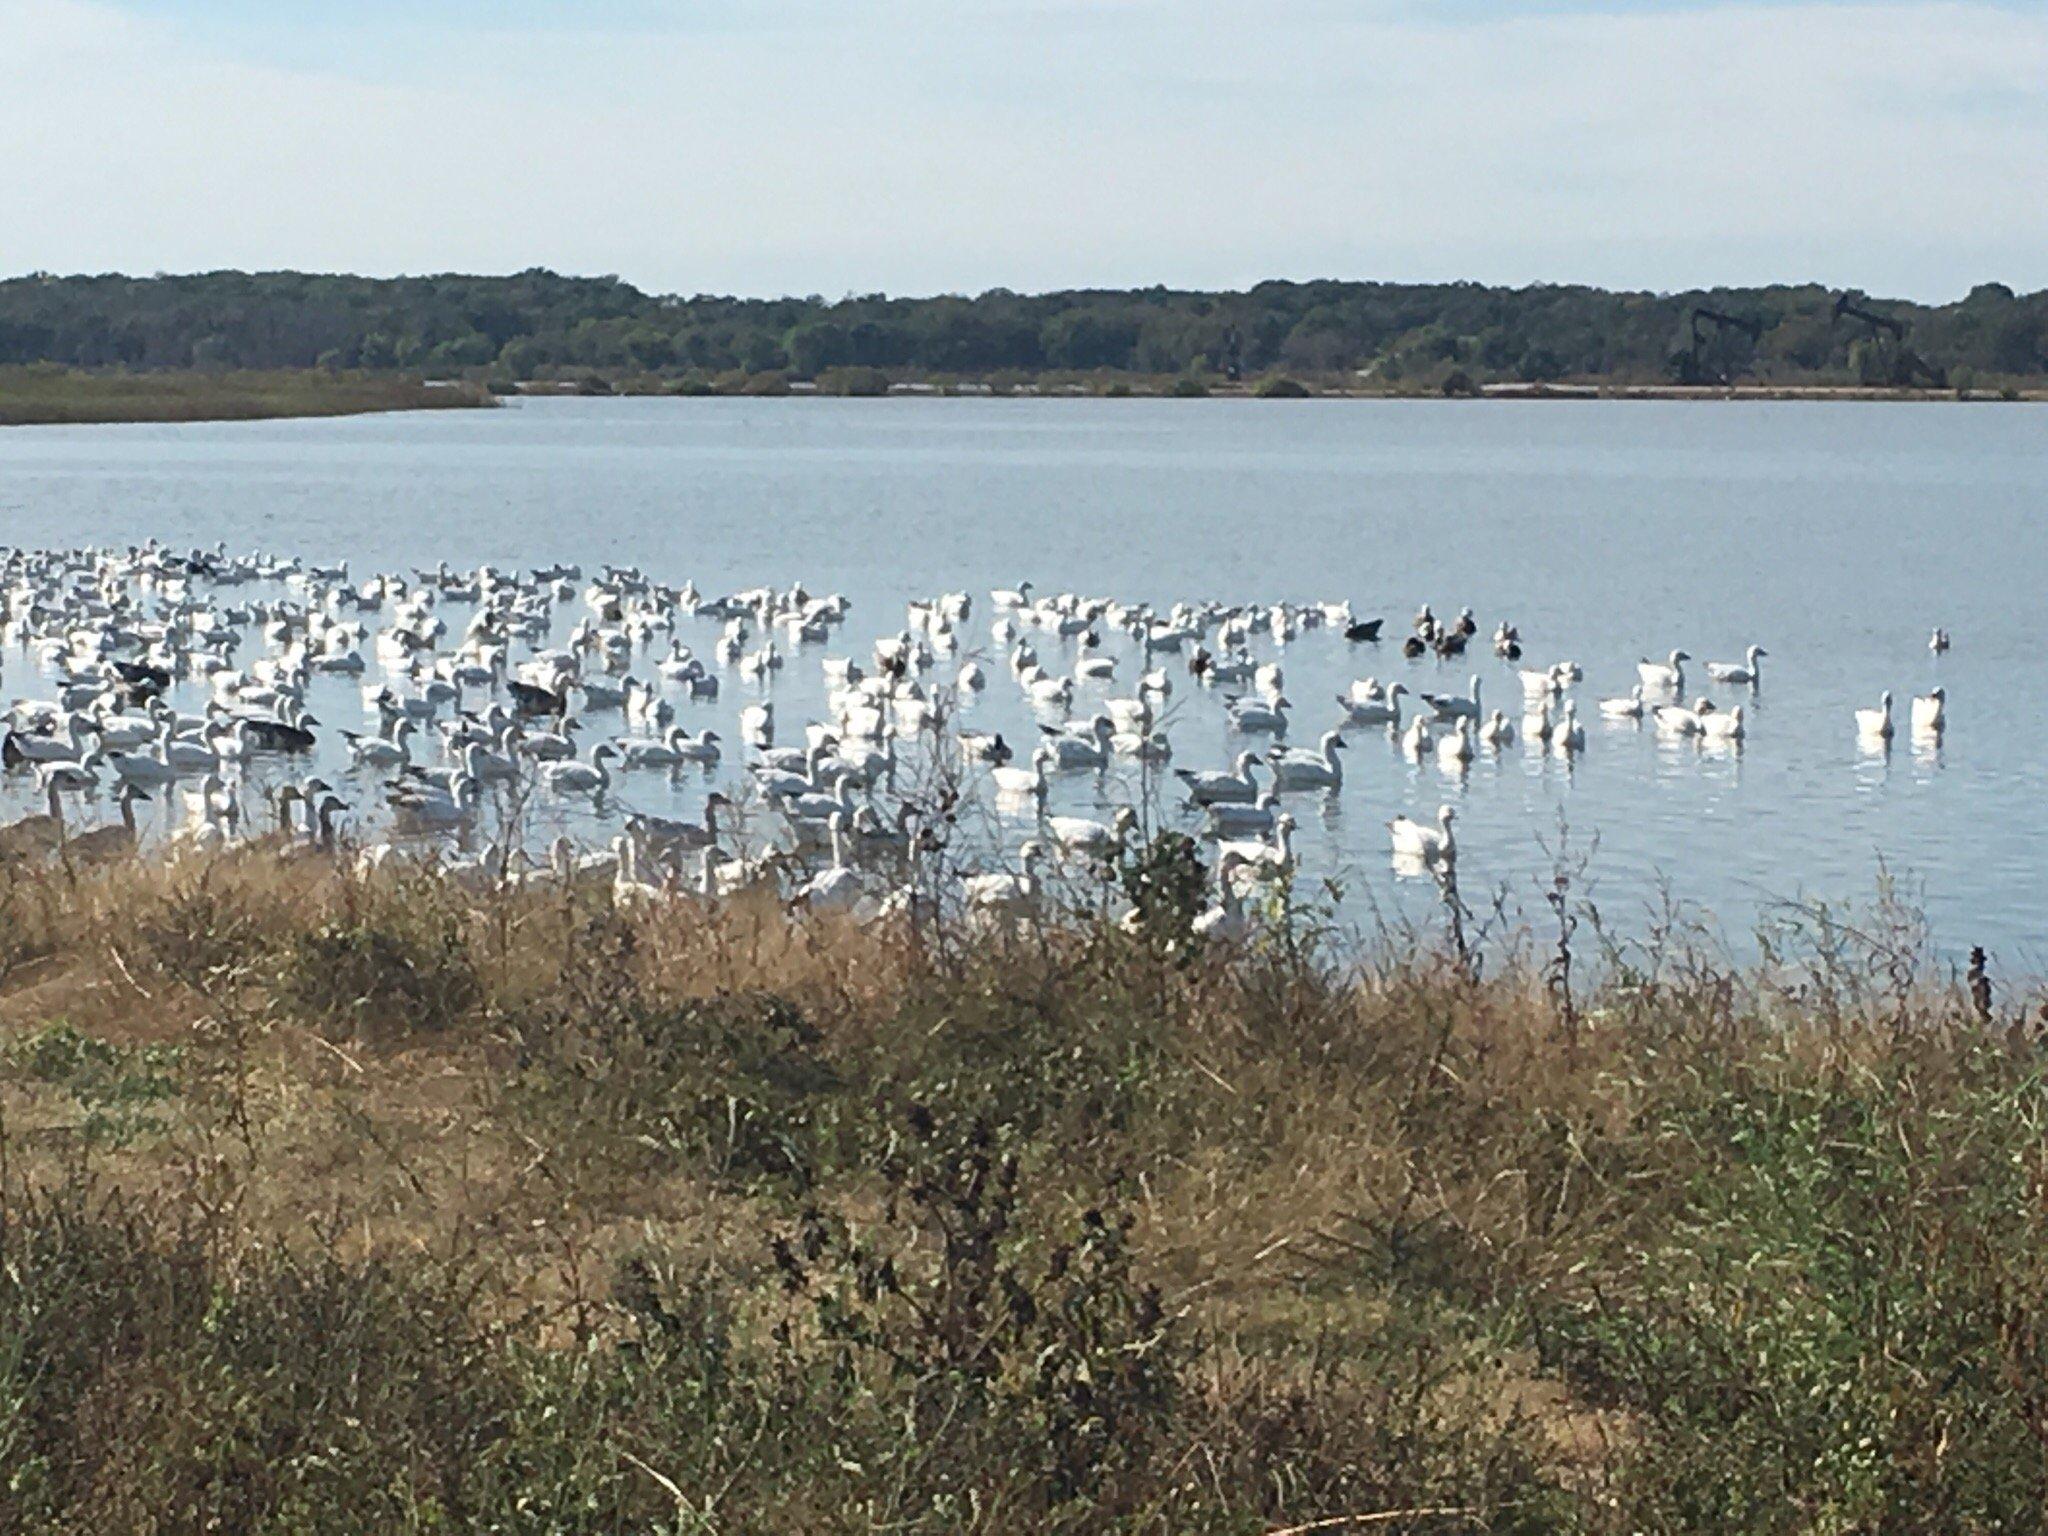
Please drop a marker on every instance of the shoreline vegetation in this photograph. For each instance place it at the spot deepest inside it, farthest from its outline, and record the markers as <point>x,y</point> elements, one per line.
<point>538,331</point>
<point>45,395</point>
<point>348,1202</point>
<point>1277,387</point>
<point>42,395</point>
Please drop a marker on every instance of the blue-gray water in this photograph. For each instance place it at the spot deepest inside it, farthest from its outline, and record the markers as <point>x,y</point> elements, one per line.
<point>1835,535</point>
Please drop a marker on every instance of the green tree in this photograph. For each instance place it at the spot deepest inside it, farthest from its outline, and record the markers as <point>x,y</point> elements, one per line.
<point>816,346</point>
<point>650,348</point>
<point>523,358</point>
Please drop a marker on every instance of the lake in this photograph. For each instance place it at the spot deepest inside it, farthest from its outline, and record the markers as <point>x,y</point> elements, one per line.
<point>1835,535</point>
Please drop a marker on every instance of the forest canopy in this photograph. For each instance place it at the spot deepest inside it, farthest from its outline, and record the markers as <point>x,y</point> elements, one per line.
<point>541,325</point>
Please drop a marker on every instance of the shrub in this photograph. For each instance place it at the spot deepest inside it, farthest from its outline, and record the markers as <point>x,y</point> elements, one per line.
<point>395,962</point>
<point>1189,389</point>
<point>1282,388</point>
<point>853,381</point>
<point>1052,1361</point>
<point>730,1086</point>
<point>115,1085</point>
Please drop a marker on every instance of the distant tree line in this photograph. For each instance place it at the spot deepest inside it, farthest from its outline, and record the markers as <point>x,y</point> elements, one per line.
<point>540,325</point>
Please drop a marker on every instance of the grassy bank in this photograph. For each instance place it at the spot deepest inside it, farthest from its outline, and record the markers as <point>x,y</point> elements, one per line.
<point>340,1205</point>
<point>47,396</point>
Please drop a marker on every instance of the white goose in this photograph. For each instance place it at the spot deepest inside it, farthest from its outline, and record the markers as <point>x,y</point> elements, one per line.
<point>1321,769</point>
<point>1667,676</point>
<point>1215,787</point>
<point>1568,737</point>
<point>68,777</point>
<point>628,884</point>
<point>376,752</point>
<point>424,808</point>
<point>1498,731</point>
<point>1262,860</point>
<point>1677,720</point>
<point>1876,724</point>
<point>1629,708</point>
<point>1009,779</point>
<point>1738,672</point>
<point>1379,709</point>
<point>1003,893</point>
<point>552,746</point>
<point>1255,715</point>
<point>1417,739</point>
<point>1724,725</point>
<point>1930,713</point>
<point>836,888</point>
<point>1072,749</point>
<point>669,836</point>
<point>1452,706</point>
<point>1078,834</point>
<point>1455,750</point>
<point>1232,820</point>
<point>1226,920</point>
<point>1418,840</point>
<point>637,752</point>
<point>151,769</point>
<point>70,747</point>
<point>591,778</point>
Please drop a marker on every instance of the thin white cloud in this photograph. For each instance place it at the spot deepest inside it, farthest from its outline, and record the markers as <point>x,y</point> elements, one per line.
<point>1033,143</point>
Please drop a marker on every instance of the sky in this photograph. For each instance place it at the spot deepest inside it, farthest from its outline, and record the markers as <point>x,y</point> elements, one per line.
<point>921,146</point>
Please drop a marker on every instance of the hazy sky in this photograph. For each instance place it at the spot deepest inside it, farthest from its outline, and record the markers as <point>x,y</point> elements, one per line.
<point>828,146</point>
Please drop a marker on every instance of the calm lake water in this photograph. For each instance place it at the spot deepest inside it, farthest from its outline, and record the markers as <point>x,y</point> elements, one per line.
<point>1835,535</point>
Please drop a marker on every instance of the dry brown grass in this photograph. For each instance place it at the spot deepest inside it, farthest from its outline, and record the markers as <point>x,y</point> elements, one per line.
<point>1412,1238</point>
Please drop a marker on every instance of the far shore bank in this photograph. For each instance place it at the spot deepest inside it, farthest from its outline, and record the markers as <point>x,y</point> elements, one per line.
<point>1266,389</point>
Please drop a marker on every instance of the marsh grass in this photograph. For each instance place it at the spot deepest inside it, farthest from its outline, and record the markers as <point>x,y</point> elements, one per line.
<point>412,1209</point>
<point>46,395</point>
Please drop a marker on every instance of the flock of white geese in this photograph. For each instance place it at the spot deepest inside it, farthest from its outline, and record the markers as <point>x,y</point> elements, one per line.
<point>186,677</point>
